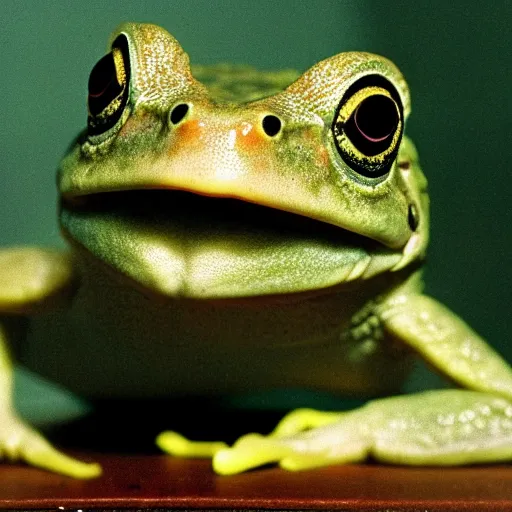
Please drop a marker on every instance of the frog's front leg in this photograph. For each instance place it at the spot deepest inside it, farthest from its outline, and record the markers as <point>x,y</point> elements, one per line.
<point>437,427</point>
<point>30,280</point>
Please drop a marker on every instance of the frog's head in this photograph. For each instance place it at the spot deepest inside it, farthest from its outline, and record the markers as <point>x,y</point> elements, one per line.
<point>189,193</point>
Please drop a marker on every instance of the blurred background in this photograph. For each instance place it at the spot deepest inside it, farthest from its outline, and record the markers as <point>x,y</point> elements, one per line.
<point>455,56</point>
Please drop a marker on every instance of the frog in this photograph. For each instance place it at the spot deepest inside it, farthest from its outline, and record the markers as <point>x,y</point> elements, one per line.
<point>230,230</point>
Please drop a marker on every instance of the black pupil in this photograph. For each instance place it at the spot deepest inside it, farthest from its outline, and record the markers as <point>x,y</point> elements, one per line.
<point>271,125</point>
<point>376,117</point>
<point>103,84</point>
<point>372,125</point>
<point>178,113</point>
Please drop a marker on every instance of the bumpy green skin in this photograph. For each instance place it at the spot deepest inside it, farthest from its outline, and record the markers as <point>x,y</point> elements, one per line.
<point>261,261</point>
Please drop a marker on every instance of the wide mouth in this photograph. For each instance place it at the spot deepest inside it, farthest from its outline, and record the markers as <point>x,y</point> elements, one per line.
<point>215,214</point>
<point>193,245</point>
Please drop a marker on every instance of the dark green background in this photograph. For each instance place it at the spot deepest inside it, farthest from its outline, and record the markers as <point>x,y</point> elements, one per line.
<point>456,57</point>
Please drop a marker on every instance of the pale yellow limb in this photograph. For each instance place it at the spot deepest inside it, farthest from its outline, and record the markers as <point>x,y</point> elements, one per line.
<point>303,419</point>
<point>19,442</point>
<point>179,446</point>
<point>443,427</point>
<point>33,279</point>
<point>447,343</point>
<point>294,422</point>
<point>250,451</point>
<point>341,441</point>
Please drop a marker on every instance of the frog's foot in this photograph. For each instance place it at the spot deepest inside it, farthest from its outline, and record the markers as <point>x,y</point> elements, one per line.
<point>301,419</point>
<point>447,427</point>
<point>179,446</point>
<point>321,446</point>
<point>18,442</point>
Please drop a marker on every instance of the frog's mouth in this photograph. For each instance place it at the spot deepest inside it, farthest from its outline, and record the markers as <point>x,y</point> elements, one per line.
<point>183,244</point>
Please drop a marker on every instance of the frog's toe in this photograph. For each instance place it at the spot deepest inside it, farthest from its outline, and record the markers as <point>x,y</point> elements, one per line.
<point>47,457</point>
<point>339,439</point>
<point>179,446</point>
<point>321,446</point>
<point>303,419</point>
<point>21,443</point>
<point>249,452</point>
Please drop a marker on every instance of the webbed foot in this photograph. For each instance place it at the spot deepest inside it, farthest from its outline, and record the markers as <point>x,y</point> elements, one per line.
<point>449,427</point>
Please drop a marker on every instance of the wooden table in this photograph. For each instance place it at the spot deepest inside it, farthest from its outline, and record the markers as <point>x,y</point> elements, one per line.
<point>161,482</point>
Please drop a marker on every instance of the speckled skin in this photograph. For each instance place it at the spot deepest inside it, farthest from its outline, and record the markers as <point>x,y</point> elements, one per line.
<point>211,254</point>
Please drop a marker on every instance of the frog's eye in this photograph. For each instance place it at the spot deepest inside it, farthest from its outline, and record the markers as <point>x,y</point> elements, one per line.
<point>108,88</point>
<point>368,126</point>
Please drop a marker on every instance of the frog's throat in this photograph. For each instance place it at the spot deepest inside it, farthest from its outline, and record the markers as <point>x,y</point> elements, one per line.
<point>184,245</point>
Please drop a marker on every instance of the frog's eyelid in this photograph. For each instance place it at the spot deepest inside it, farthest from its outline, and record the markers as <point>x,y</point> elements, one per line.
<point>160,68</point>
<point>324,84</point>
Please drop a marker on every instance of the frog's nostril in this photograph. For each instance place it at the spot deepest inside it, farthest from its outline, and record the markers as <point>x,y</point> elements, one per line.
<point>178,113</point>
<point>271,125</point>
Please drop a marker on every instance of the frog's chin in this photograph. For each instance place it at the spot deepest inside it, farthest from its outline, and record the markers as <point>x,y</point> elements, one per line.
<point>183,245</point>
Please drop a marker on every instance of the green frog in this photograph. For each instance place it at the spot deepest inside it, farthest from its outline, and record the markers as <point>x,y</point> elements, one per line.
<point>249,231</point>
